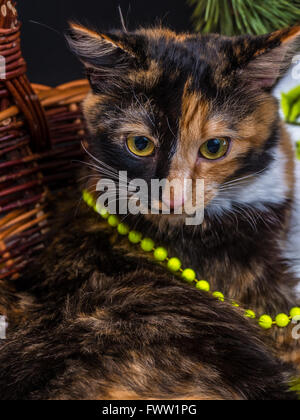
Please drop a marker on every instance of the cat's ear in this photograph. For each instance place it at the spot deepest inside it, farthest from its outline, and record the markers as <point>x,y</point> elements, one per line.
<point>268,57</point>
<point>105,56</point>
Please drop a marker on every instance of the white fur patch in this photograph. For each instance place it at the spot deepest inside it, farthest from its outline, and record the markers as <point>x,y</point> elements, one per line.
<point>292,249</point>
<point>267,187</point>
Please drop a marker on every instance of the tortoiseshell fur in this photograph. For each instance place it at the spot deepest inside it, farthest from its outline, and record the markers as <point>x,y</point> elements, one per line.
<point>102,321</point>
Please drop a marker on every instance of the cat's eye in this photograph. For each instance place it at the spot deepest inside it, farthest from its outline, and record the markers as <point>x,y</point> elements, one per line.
<point>215,148</point>
<point>140,146</point>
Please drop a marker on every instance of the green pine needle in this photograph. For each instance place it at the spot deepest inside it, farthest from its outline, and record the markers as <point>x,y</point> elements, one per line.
<point>237,17</point>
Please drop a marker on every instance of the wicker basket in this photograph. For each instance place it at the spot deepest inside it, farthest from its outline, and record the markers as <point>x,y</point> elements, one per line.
<point>41,130</point>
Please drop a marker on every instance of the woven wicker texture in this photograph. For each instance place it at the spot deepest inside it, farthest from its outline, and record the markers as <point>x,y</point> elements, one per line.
<point>41,130</point>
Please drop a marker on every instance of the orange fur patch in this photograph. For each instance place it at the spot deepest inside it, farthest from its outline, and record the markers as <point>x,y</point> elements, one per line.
<point>199,124</point>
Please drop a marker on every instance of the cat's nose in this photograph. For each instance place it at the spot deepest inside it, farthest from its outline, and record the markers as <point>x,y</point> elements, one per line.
<point>174,203</point>
<point>174,195</point>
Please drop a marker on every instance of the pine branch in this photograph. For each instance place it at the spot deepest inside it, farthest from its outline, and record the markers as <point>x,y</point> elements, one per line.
<point>236,17</point>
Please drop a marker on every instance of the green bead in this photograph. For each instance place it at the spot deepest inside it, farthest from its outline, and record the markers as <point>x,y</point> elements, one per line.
<point>219,296</point>
<point>282,320</point>
<point>250,314</point>
<point>113,221</point>
<point>295,312</point>
<point>88,198</point>
<point>174,264</point>
<point>235,304</point>
<point>98,209</point>
<point>84,195</point>
<point>265,322</point>
<point>135,237</point>
<point>104,214</point>
<point>189,275</point>
<point>147,245</point>
<point>160,254</point>
<point>203,285</point>
<point>123,229</point>
<point>91,201</point>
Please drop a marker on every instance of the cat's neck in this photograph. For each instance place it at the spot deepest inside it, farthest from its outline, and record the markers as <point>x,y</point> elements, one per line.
<point>240,256</point>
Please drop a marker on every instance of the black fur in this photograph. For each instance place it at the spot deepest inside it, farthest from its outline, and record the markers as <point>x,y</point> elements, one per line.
<point>103,319</point>
<point>100,319</point>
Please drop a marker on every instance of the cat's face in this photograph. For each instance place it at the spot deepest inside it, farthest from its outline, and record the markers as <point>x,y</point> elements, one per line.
<point>176,107</point>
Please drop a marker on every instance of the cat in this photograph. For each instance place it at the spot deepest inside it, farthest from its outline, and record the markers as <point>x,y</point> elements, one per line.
<point>101,319</point>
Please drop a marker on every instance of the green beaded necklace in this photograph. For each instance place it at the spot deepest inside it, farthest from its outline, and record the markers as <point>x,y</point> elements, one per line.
<point>175,266</point>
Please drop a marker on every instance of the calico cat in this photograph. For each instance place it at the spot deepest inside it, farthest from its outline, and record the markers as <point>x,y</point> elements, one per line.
<point>101,319</point>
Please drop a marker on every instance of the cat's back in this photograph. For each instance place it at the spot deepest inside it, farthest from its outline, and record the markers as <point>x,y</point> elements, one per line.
<point>138,334</point>
<point>114,326</point>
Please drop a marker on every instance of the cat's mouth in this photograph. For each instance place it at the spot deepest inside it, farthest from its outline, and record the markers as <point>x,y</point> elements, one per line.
<point>181,206</point>
<point>175,215</point>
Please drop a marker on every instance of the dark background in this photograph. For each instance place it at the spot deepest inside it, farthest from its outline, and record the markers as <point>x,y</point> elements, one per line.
<point>45,50</point>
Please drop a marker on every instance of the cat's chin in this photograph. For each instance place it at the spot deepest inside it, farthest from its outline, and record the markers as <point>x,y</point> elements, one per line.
<point>162,220</point>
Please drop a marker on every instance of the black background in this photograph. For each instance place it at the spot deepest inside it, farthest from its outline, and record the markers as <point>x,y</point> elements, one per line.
<point>45,50</point>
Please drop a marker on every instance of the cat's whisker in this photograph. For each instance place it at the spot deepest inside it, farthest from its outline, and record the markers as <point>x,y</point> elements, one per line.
<point>249,217</point>
<point>122,19</point>
<point>124,218</point>
<point>249,213</point>
<point>110,175</point>
<point>87,177</point>
<point>105,165</point>
<point>245,177</point>
<point>233,188</point>
<point>117,192</point>
<point>169,126</point>
<point>97,168</point>
<point>97,160</point>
